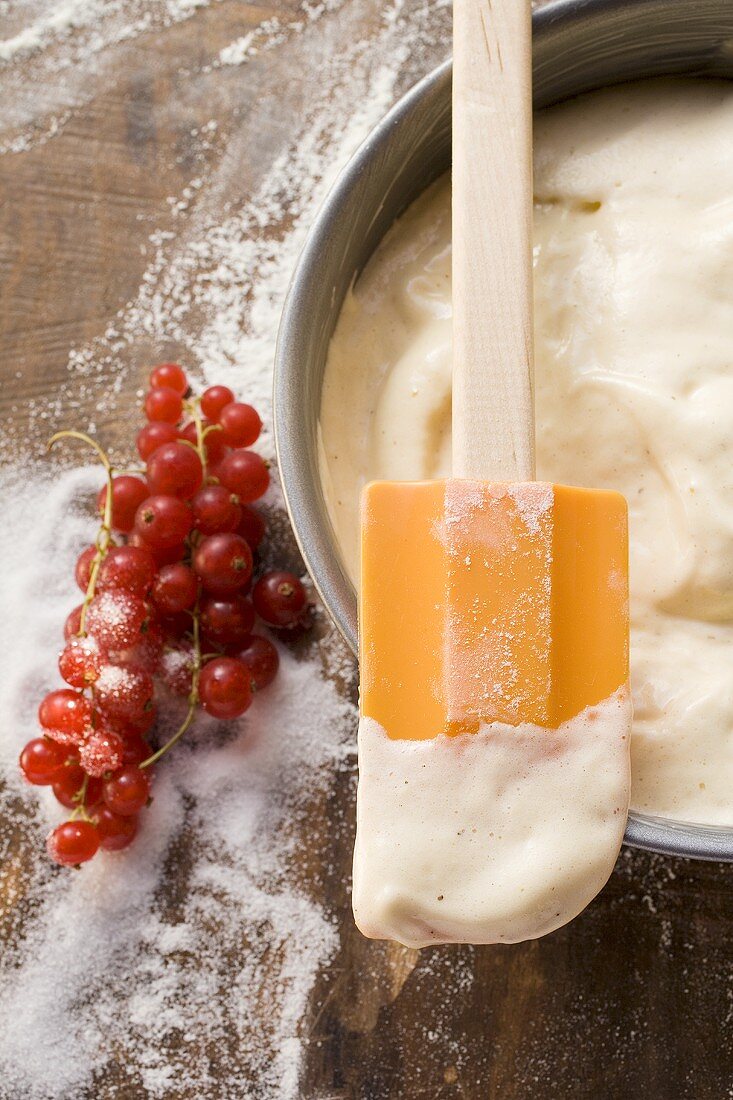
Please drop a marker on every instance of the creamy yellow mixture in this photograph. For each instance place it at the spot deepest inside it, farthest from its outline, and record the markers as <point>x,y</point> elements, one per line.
<point>634,352</point>
<point>490,837</point>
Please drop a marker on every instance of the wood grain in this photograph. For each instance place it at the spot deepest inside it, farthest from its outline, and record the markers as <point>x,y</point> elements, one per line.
<point>634,998</point>
<point>493,410</point>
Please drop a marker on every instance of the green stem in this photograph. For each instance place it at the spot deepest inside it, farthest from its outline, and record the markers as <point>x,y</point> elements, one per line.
<point>104,535</point>
<point>193,698</point>
<point>195,410</point>
<point>71,433</point>
<point>81,798</point>
<point>176,736</point>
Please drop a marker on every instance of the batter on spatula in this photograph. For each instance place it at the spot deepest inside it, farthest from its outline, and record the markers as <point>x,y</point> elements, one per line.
<point>494,609</point>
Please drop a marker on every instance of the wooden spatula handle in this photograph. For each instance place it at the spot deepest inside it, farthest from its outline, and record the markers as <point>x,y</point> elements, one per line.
<point>493,403</point>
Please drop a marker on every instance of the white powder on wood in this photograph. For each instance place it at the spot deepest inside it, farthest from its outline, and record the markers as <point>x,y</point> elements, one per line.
<point>102,961</point>
<point>186,966</point>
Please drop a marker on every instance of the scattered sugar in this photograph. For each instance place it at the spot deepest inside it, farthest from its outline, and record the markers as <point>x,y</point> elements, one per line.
<point>99,943</point>
<point>248,45</point>
<point>106,21</point>
<point>135,966</point>
<point>56,20</point>
<point>115,618</point>
<point>272,32</point>
<point>87,646</point>
<point>176,668</point>
<point>114,678</point>
<point>533,501</point>
<point>48,65</point>
<point>219,290</point>
<point>99,754</point>
<point>192,958</point>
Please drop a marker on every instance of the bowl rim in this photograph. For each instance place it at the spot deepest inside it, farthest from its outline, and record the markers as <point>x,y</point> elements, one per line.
<point>666,836</point>
<point>316,545</point>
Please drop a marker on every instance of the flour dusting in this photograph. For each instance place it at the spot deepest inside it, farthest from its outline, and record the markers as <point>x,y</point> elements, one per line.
<point>194,957</point>
<point>228,814</point>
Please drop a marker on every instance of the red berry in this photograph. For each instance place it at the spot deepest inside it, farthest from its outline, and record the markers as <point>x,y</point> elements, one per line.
<point>83,568</point>
<point>163,521</point>
<point>69,784</point>
<point>72,843</point>
<point>214,445</point>
<point>41,761</point>
<point>154,435</point>
<point>145,721</point>
<point>215,509</point>
<point>128,493</point>
<point>175,468</point>
<point>188,433</point>
<point>146,652</point>
<point>169,555</point>
<point>261,659</point>
<point>214,400</point>
<point>65,715</point>
<point>223,562</point>
<point>127,791</point>
<point>128,727</point>
<point>170,375</point>
<point>103,751</point>
<point>165,404</point>
<point>224,688</point>
<point>251,526</point>
<point>227,620</point>
<point>175,627</point>
<point>80,662</point>
<point>129,568</point>
<point>175,589</point>
<point>176,668</point>
<point>115,831</point>
<point>136,749</point>
<point>162,555</point>
<point>116,619</point>
<point>212,473</point>
<point>240,424</point>
<point>123,691</point>
<point>72,626</point>
<point>245,473</point>
<point>280,599</point>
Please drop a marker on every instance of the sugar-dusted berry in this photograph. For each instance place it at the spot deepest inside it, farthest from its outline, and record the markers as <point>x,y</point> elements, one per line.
<point>102,752</point>
<point>81,662</point>
<point>123,691</point>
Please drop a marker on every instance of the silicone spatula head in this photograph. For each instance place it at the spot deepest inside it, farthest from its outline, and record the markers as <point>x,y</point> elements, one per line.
<point>490,602</point>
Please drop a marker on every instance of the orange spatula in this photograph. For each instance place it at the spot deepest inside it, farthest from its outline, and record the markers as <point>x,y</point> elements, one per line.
<point>490,597</point>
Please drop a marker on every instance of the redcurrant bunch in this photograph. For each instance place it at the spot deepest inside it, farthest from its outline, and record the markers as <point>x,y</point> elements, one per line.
<point>172,595</point>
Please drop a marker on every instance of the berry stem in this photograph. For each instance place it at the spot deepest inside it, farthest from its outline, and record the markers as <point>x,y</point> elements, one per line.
<point>194,409</point>
<point>192,703</point>
<point>81,798</point>
<point>193,697</point>
<point>104,535</point>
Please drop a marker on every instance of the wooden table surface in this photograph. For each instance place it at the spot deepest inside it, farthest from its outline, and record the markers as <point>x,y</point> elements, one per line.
<point>636,996</point>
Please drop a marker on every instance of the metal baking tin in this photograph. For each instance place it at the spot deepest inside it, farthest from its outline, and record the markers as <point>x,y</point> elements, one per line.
<point>578,45</point>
